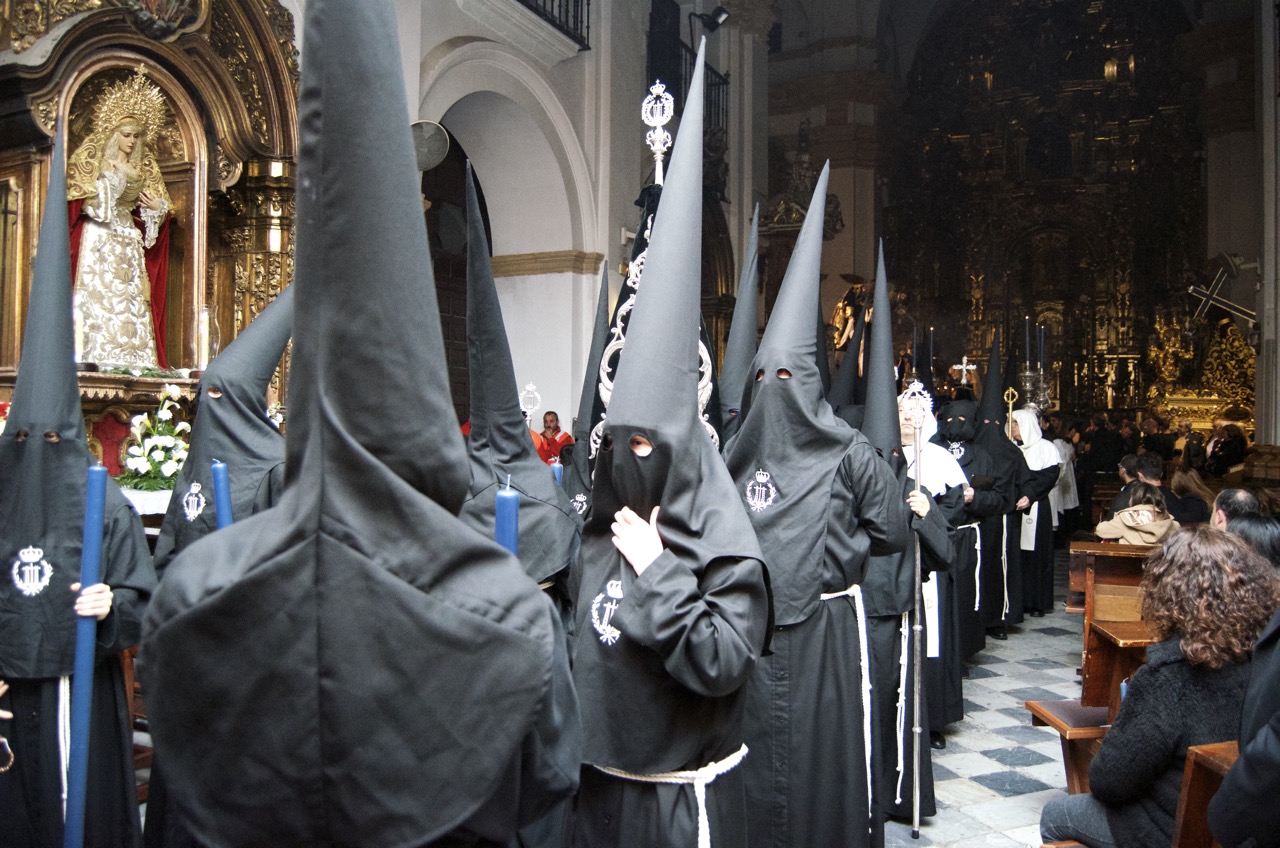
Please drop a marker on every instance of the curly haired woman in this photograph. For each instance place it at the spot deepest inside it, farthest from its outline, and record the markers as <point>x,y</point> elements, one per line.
<point>1205,595</point>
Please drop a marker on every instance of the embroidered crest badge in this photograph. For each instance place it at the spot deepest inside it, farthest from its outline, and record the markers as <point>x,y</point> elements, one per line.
<point>580,503</point>
<point>760,492</point>
<point>609,634</point>
<point>956,449</point>
<point>30,572</point>
<point>193,502</point>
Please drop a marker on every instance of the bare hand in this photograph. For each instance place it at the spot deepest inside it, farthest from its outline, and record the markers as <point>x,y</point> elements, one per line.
<point>94,602</point>
<point>1023,503</point>
<point>968,494</point>
<point>919,503</point>
<point>636,539</point>
<point>150,201</point>
<point>4,714</point>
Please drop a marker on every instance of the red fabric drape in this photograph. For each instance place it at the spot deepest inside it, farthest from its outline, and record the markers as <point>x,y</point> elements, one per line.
<point>157,260</point>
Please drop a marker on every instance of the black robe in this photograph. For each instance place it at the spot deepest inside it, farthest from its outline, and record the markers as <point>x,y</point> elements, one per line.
<point>1037,564</point>
<point>1001,601</point>
<point>888,592</point>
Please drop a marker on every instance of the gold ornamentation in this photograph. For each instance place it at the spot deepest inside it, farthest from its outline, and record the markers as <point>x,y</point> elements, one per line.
<point>229,43</point>
<point>30,19</point>
<point>137,101</point>
<point>1229,372</point>
<point>282,26</point>
<point>133,101</point>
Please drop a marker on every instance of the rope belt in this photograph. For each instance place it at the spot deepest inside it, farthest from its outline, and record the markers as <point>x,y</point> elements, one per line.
<point>700,778</point>
<point>855,592</point>
<point>1004,565</point>
<point>901,722</point>
<point>547,584</point>
<point>977,571</point>
<point>64,734</point>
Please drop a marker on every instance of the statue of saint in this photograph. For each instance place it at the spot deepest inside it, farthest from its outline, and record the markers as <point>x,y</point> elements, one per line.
<point>119,212</point>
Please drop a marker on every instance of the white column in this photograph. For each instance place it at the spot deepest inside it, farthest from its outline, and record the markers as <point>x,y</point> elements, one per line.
<point>1267,404</point>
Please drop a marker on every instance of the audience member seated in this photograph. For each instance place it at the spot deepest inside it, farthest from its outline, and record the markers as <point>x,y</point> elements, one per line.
<point>1145,521</point>
<point>1243,812</point>
<point>1150,470</point>
<point>1193,495</point>
<point>1260,532</point>
<point>1205,595</point>
<point>1233,503</point>
<point>1228,450</point>
<point>1128,471</point>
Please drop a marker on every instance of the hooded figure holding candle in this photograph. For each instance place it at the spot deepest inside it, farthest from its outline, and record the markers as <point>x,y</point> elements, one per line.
<point>821,502</point>
<point>44,459</point>
<point>356,665</point>
<point>673,612</point>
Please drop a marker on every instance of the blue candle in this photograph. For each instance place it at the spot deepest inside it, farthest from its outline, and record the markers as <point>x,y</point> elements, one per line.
<point>221,494</point>
<point>1027,319</point>
<point>86,650</point>
<point>558,470</point>
<point>930,350</point>
<point>506,527</point>
<point>913,347</point>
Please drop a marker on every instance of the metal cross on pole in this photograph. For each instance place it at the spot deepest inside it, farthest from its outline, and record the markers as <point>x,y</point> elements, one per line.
<point>1228,268</point>
<point>964,367</point>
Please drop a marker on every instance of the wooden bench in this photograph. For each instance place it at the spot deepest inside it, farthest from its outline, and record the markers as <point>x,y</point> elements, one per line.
<point>1202,776</point>
<point>1111,595</point>
<point>142,754</point>
<point>1080,730</point>
<point>1113,557</point>
<point>1117,651</point>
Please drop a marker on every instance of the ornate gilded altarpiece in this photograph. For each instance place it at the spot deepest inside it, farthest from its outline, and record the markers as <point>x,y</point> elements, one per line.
<point>1048,165</point>
<point>228,70</point>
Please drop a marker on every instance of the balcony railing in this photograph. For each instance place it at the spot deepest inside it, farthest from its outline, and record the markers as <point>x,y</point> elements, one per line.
<point>671,61</point>
<point>571,17</point>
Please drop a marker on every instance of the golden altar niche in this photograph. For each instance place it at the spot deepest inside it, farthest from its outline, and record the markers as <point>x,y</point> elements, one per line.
<point>228,72</point>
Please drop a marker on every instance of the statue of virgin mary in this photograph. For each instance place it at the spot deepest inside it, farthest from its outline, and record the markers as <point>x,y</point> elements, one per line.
<point>119,212</point>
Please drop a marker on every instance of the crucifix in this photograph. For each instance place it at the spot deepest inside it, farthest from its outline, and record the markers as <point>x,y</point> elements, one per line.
<point>964,368</point>
<point>1228,268</point>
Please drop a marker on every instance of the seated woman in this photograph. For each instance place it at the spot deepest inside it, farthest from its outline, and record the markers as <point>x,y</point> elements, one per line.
<point>1193,493</point>
<point>1145,521</point>
<point>1206,596</point>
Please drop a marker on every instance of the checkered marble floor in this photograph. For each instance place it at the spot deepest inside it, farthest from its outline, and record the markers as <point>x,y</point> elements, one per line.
<point>998,771</point>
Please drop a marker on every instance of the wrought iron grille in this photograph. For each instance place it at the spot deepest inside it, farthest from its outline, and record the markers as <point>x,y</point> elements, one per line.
<point>571,17</point>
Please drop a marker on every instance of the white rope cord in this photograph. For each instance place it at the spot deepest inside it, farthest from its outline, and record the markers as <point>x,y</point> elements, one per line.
<point>64,735</point>
<point>545,585</point>
<point>855,592</point>
<point>700,778</point>
<point>1004,566</point>
<point>901,723</point>
<point>977,569</point>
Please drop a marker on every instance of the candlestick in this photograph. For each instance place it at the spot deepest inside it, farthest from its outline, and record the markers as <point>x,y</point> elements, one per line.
<point>86,652</point>
<point>506,527</point>
<point>221,494</point>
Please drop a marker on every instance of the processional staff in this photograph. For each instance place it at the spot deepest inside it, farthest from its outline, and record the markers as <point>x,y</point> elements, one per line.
<point>915,402</point>
<point>1010,395</point>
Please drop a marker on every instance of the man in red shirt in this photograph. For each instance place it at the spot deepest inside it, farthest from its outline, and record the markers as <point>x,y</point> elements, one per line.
<point>553,438</point>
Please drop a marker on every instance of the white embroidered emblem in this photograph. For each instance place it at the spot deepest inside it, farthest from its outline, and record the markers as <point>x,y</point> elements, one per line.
<point>760,492</point>
<point>30,572</point>
<point>608,633</point>
<point>580,503</point>
<point>956,448</point>
<point>193,502</point>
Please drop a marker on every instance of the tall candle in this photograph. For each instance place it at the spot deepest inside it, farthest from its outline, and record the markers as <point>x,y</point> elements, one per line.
<point>221,494</point>
<point>913,347</point>
<point>1027,319</point>
<point>930,350</point>
<point>506,527</point>
<point>1040,339</point>
<point>86,651</point>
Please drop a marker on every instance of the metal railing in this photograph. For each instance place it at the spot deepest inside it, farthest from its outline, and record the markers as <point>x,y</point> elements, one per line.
<point>671,62</point>
<point>571,17</point>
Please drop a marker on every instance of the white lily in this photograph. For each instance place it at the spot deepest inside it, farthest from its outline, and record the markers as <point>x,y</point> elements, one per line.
<point>182,427</point>
<point>169,468</point>
<point>164,414</point>
<point>172,391</point>
<point>135,450</point>
<point>157,456</point>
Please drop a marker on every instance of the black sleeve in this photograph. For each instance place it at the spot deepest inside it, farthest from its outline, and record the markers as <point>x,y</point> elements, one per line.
<point>936,536</point>
<point>127,569</point>
<point>1244,807</point>
<point>878,502</point>
<point>1140,744</point>
<point>552,752</point>
<point>709,631</point>
<point>1040,483</point>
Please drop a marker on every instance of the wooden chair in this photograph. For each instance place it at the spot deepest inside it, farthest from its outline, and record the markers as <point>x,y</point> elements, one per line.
<point>1202,776</point>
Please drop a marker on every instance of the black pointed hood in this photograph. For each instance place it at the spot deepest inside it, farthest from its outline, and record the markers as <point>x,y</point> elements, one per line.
<point>43,462</point>
<point>500,448</point>
<point>740,348</point>
<point>277,653</point>
<point>880,424</point>
<point>655,393</point>
<point>577,475</point>
<point>991,406</point>
<point>231,425</point>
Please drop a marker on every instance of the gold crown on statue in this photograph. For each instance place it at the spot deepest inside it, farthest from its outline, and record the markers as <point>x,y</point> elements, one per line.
<point>137,99</point>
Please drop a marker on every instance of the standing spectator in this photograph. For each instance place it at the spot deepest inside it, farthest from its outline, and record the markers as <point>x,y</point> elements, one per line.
<point>553,438</point>
<point>1228,451</point>
<point>1193,495</point>
<point>1156,440</point>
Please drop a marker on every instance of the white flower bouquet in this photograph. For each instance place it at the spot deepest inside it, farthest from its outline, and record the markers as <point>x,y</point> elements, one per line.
<point>158,449</point>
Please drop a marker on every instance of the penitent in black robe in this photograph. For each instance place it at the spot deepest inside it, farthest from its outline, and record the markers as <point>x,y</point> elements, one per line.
<point>888,591</point>
<point>1001,601</point>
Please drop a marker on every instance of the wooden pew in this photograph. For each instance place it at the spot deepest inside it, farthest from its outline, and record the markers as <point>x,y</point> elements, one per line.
<point>1080,730</point>
<point>1111,597</point>
<point>1082,555</point>
<point>1202,776</point>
